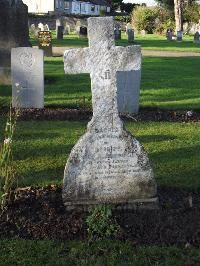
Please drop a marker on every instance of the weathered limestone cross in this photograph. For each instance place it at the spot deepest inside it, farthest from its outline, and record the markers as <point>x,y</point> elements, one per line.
<point>102,60</point>
<point>107,165</point>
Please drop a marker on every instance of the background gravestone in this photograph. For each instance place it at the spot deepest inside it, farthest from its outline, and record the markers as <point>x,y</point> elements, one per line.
<point>130,33</point>
<point>14,30</point>
<point>83,32</point>
<point>169,34</point>
<point>77,27</point>
<point>128,27</point>
<point>27,73</point>
<point>179,36</point>
<point>197,38</point>
<point>59,32</point>
<point>128,90</point>
<point>66,30</point>
<point>117,33</point>
<point>45,42</point>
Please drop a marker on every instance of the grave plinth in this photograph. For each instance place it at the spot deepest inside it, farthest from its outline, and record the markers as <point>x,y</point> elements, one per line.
<point>107,165</point>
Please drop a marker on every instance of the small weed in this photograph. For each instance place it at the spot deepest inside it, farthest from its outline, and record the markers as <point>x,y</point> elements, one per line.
<point>101,223</point>
<point>7,170</point>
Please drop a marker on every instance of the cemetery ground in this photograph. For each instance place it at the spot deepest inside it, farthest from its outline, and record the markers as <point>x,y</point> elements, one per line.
<point>35,229</point>
<point>148,42</point>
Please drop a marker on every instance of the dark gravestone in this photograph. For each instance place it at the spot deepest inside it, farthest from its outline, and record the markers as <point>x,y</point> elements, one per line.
<point>83,32</point>
<point>117,33</point>
<point>130,33</point>
<point>14,30</point>
<point>45,42</point>
<point>59,32</point>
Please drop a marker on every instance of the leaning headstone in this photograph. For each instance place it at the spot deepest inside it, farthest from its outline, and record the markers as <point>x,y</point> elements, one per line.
<point>59,32</point>
<point>130,33</point>
<point>83,32</point>
<point>169,34</point>
<point>27,77</point>
<point>45,42</point>
<point>197,38</point>
<point>14,31</point>
<point>107,165</point>
<point>179,36</point>
<point>117,33</point>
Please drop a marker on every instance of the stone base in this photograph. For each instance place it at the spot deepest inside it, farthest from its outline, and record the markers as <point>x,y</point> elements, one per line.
<point>141,204</point>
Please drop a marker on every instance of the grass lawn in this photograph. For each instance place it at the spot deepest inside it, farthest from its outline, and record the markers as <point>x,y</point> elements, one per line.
<point>167,83</point>
<point>41,150</point>
<point>148,42</point>
<point>26,252</point>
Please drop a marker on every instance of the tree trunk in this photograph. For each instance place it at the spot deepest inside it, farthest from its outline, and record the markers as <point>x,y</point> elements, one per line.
<point>178,15</point>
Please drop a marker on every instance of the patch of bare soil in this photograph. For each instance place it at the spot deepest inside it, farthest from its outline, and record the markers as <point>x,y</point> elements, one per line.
<point>86,114</point>
<point>39,213</point>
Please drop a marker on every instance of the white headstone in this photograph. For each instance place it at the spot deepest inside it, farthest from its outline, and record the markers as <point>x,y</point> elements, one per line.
<point>46,27</point>
<point>128,27</point>
<point>58,22</point>
<point>41,26</point>
<point>107,165</point>
<point>66,29</point>
<point>27,72</point>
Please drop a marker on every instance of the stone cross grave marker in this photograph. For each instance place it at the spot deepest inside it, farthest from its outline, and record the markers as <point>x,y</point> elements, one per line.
<point>107,165</point>
<point>27,77</point>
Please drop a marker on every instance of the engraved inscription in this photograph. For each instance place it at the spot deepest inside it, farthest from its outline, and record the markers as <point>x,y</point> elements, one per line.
<point>27,60</point>
<point>107,74</point>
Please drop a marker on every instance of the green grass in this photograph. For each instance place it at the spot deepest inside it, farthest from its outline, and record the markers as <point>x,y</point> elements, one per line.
<point>26,252</point>
<point>41,149</point>
<point>148,42</point>
<point>167,83</point>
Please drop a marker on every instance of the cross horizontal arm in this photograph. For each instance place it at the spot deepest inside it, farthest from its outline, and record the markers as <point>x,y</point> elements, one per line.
<point>77,61</point>
<point>127,58</point>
